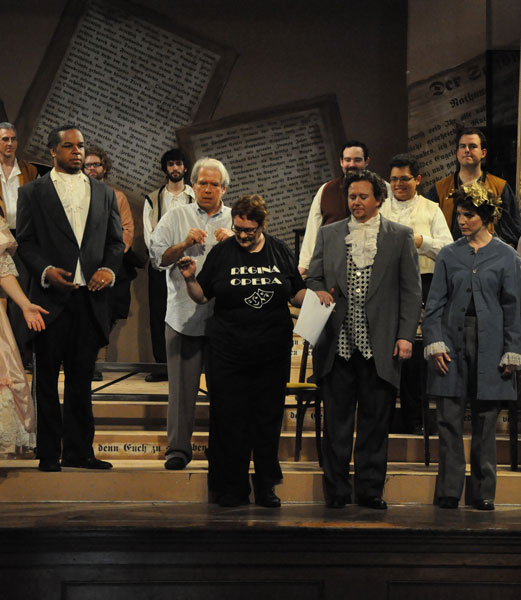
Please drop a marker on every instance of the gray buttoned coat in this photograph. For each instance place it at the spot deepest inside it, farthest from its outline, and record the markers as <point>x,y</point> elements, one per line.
<point>492,276</point>
<point>393,300</point>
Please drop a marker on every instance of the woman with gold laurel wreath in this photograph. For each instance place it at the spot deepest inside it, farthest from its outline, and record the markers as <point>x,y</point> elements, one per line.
<point>472,337</point>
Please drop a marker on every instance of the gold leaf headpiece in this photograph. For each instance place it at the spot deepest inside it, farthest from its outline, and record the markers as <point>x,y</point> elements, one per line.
<point>479,194</point>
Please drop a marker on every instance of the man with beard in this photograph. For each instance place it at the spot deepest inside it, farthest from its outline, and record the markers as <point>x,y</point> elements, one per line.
<point>98,165</point>
<point>69,236</point>
<point>169,196</point>
<point>330,204</point>
<point>13,174</point>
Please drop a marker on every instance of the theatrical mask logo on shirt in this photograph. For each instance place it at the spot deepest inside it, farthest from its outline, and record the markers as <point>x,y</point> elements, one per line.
<point>258,298</point>
<point>256,276</point>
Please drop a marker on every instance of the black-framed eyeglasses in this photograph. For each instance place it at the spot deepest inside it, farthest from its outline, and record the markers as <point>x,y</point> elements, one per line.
<point>403,179</point>
<point>93,165</point>
<point>246,230</point>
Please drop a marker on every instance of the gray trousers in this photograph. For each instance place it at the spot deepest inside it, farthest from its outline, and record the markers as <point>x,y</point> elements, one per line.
<point>450,414</point>
<point>185,358</point>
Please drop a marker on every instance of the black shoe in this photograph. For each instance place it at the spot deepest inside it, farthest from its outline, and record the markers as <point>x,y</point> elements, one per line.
<point>49,465</point>
<point>175,463</point>
<point>153,377</point>
<point>87,463</point>
<point>448,502</point>
<point>230,499</point>
<point>336,502</point>
<point>376,502</point>
<point>97,376</point>
<point>267,497</point>
<point>484,505</point>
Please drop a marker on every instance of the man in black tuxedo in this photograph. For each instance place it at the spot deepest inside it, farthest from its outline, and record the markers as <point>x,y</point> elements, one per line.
<point>69,236</point>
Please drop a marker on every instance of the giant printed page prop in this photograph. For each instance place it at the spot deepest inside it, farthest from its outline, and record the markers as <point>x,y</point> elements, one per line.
<point>436,106</point>
<point>128,77</point>
<point>283,153</point>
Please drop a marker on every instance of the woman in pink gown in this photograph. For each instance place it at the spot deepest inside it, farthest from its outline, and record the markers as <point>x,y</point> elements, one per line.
<point>17,418</point>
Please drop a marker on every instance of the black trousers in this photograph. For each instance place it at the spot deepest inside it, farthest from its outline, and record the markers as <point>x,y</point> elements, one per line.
<point>414,375</point>
<point>351,383</point>
<point>246,411</point>
<point>157,295</point>
<point>73,339</point>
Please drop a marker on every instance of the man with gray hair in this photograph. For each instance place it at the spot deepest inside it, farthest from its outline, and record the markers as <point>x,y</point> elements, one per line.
<point>14,174</point>
<point>188,230</point>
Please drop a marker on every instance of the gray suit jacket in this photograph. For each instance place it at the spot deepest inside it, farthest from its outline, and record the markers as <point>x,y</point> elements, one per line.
<point>45,238</point>
<point>393,301</point>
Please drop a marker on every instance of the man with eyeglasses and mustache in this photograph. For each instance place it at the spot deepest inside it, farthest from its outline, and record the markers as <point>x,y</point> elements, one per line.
<point>14,174</point>
<point>175,192</point>
<point>329,204</point>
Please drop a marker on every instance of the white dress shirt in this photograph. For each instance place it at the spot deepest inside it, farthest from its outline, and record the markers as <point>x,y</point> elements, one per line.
<point>74,194</point>
<point>182,313</point>
<point>168,202</point>
<point>10,193</point>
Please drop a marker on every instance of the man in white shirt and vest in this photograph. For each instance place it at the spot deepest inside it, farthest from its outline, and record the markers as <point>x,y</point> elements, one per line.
<point>69,235</point>
<point>431,233</point>
<point>175,192</point>
<point>330,204</point>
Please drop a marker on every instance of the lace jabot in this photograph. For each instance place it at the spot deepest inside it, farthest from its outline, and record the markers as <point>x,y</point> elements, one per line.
<point>362,238</point>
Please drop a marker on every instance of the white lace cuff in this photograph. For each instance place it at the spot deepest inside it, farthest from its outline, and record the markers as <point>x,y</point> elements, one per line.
<point>511,358</point>
<point>434,348</point>
<point>43,283</point>
<point>111,272</point>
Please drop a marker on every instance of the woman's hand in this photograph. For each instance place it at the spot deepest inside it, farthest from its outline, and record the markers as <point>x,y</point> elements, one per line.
<point>187,267</point>
<point>440,361</point>
<point>508,370</point>
<point>33,318</point>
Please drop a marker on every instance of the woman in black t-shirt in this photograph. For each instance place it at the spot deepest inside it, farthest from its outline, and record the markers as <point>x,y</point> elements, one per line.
<point>252,276</point>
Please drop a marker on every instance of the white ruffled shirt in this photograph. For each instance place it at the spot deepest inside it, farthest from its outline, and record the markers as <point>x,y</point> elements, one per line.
<point>362,238</point>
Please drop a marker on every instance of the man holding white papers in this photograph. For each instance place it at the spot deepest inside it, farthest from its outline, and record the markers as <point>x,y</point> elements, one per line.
<point>370,265</point>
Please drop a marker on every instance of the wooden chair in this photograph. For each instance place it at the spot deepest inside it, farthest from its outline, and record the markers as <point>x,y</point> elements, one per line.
<point>307,394</point>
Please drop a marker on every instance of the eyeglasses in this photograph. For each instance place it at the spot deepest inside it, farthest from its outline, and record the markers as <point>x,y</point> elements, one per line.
<point>246,230</point>
<point>403,179</point>
<point>94,165</point>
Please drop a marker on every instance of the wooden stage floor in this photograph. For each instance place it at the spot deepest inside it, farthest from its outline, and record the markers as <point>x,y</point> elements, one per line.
<point>194,551</point>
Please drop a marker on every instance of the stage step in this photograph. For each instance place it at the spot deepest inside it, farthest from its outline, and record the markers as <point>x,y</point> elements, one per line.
<point>139,481</point>
<point>151,445</point>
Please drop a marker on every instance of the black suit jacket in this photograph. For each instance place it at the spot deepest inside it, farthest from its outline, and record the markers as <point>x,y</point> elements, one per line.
<point>45,238</point>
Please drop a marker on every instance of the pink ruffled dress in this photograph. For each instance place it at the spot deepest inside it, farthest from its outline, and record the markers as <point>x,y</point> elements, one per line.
<point>17,415</point>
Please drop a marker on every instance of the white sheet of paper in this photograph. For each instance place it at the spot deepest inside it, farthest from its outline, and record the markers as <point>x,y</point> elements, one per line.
<point>312,318</point>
